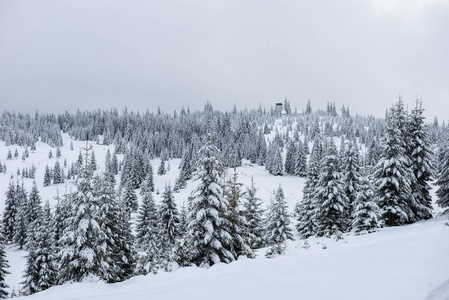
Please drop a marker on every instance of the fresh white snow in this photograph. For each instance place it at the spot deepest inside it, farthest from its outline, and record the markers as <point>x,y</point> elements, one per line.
<point>409,262</point>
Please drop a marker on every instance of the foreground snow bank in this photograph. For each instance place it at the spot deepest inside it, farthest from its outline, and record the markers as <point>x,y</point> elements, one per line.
<point>409,262</point>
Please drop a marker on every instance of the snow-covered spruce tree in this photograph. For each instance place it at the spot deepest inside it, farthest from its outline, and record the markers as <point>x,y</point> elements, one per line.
<point>182,248</point>
<point>330,196</point>
<point>83,243</point>
<point>278,225</point>
<point>148,242</point>
<point>277,168</point>
<point>93,162</point>
<point>62,212</point>
<point>351,175</point>
<point>149,178</point>
<point>133,169</point>
<point>3,269</point>
<point>57,176</point>
<point>261,149</point>
<point>443,181</point>
<point>114,222</point>
<point>307,212</point>
<point>208,229</point>
<point>392,177</point>
<point>10,213</point>
<point>420,165</point>
<point>402,121</point>
<point>366,211</point>
<point>114,164</point>
<point>240,238</point>
<point>253,214</point>
<point>34,205</point>
<point>47,176</point>
<point>270,156</point>
<point>40,273</point>
<point>290,158</point>
<point>23,216</point>
<point>342,152</point>
<point>169,222</point>
<point>108,172</point>
<point>186,169</point>
<point>374,153</point>
<point>129,199</point>
<point>183,219</point>
<point>161,170</point>
<point>300,160</point>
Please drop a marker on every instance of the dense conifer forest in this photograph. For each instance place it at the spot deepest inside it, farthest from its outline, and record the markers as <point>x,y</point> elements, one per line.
<point>361,173</point>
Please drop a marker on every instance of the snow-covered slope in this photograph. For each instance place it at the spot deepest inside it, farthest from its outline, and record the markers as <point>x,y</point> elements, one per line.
<point>409,262</point>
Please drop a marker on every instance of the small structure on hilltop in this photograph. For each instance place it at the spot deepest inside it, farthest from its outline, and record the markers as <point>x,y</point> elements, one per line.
<point>280,108</point>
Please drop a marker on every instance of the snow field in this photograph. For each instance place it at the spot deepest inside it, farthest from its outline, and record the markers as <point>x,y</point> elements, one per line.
<point>408,262</point>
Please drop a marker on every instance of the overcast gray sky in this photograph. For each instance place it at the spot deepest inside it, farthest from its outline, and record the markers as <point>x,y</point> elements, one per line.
<point>62,55</point>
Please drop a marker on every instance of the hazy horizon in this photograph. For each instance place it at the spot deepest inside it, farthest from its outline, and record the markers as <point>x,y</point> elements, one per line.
<point>57,56</point>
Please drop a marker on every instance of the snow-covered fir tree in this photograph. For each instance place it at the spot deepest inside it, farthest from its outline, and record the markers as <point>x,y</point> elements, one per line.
<point>261,149</point>
<point>330,197</point>
<point>47,176</point>
<point>107,162</point>
<point>169,221</point>
<point>240,237</point>
<point>10,213</point>
<point>443,180</point>
<point>290,158</point>
<point>277,168</point>
<point>57,176</point>
<point>366,211</point>
<point>83,243</point>
<point>161,170</point>
<point>307,211</point>
<point>148,242</point>
<point>208,228</point>
<point>421,165</point>
<point>129,199</point>
<point>115,223</point>
<point>392,177</point>
<point>34,205</point>
<point>114,164</point>
<point>253,214</point>
<point>62,212</point>
<point>351,175</point>
<point>3,269</point>
<point>278,224</point>
<point>93,162</point>
<point>300,168</point>
<point>25,208</point>
<point>133,169</point>
<point>41,268</point>
<point>186,169</point>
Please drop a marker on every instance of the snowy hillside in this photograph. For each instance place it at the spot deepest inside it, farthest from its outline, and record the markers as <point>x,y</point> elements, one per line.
<point>409,262</point>
<point>397,262</point>
<point>265,182</point>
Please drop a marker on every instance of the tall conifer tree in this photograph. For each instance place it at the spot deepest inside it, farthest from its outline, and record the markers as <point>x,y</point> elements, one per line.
<point>392,176</point>
<point>421,165</point>
<point>209,231</point>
